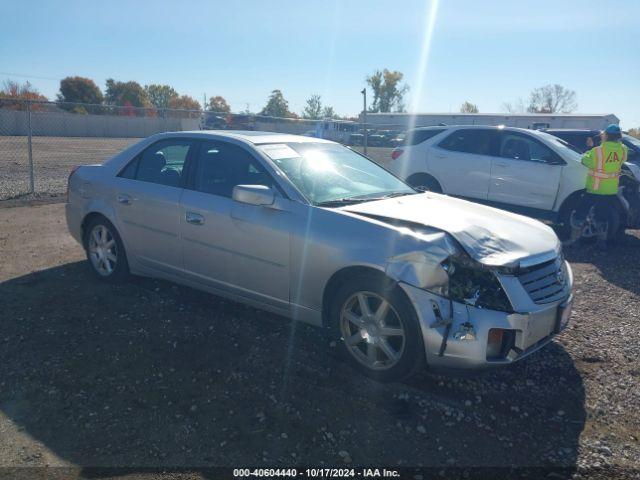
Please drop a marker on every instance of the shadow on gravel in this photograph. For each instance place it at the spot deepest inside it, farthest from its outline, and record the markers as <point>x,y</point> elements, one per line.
<point>150,374</point>
<point>618,264</point>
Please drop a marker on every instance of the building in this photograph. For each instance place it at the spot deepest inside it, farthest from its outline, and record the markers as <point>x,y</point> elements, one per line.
<point>402,121</point>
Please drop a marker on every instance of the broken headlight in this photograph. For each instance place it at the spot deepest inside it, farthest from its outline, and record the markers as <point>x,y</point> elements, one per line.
<point>473,284</point>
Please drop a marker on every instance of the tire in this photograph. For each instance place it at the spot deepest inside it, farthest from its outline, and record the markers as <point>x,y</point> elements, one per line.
<point>105,251</point>
<point>424,182</point>
<point>396,341</point>
<point>616,230</point>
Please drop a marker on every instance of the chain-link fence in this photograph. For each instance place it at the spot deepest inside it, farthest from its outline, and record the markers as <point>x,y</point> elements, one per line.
<point>40,142</point>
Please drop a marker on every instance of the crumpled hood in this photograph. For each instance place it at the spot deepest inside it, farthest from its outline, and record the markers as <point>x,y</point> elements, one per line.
<point>490,236</point>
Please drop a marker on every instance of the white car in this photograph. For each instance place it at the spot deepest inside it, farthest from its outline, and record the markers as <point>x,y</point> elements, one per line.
<point>526,171</point>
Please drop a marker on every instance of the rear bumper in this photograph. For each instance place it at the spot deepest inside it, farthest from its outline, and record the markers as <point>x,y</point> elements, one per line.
<point>533,330</point>
<point>74,221</point>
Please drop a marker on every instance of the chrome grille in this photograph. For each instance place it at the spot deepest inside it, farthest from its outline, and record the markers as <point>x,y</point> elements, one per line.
<point>546,282</point>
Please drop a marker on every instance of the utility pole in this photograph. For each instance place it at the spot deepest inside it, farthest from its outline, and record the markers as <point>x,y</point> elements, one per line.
<point>32,188</point>
<point>364,117</point>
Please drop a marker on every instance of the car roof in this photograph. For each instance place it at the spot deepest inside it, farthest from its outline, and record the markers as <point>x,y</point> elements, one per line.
<point>491,127</point>
<point>572,130</point>
<point>250,136</point>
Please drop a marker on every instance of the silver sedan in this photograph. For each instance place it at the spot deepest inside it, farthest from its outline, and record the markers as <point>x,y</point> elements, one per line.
<point>314,231</point>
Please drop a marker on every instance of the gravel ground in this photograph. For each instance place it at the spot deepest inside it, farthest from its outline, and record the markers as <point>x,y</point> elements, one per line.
<point>54,157</point>
<point>150,374</point>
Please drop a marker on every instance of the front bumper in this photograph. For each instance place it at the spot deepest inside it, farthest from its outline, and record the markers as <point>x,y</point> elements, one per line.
<point>534,327</point>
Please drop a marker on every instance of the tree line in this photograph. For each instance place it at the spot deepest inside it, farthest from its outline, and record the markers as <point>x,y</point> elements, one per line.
<point>81,95</point>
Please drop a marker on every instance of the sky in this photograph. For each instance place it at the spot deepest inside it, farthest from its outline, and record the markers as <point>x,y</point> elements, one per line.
<point>485,51</point>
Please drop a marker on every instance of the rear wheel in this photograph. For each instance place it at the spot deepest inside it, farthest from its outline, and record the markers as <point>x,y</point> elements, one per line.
<point>105,251</point>
<point>424,182</point>
<point>378,329</point>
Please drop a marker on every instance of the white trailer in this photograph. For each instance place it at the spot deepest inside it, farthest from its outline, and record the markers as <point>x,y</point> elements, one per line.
<point>524,120</point>
<point>336,130</point>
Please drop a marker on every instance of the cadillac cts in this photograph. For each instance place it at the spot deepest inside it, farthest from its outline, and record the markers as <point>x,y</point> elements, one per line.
<point>314,231</point>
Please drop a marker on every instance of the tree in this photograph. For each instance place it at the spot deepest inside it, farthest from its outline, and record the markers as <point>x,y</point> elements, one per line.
<point>276,106</point>
<point>329,112</point>
<point>185,102</point>
<point>388,94</point>
<point>79,90</point>
<point>552,99</point>
<point>514,107</point>
<point>127,94</point>
<point>12,92</point>
<point>634,132</point>
<point>218,104</point>
<point>468,107</point>
<point>313,108</point>
<point>160,95</point>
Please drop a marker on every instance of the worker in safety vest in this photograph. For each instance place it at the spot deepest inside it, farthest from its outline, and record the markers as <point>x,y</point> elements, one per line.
<point>604,163</point>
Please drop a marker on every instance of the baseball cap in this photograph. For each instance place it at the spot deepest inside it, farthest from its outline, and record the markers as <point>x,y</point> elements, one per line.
<point>613,128</point>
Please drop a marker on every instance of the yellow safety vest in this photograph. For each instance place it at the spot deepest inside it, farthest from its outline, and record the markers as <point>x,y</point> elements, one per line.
<point>604,163</point>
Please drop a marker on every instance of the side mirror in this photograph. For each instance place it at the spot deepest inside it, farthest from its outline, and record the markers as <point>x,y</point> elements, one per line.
<point>253,194</point>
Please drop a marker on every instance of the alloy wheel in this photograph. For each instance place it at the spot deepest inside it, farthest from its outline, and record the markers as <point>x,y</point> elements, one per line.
<point>103,250</point>
<point>372,330</point>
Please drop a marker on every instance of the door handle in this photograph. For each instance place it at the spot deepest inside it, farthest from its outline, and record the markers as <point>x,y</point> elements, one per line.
<point>124,199</point>
<point>500,164</point>
<point>194,218</point>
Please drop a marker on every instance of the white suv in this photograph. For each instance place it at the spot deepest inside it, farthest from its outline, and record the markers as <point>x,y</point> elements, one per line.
<point>526,171</point>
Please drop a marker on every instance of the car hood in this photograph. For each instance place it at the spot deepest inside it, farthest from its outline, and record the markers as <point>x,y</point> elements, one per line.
<point>491,236</point>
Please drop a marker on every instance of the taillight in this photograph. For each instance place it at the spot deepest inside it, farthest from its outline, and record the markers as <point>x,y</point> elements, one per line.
<point>396,153</point>
<point>73,170</point>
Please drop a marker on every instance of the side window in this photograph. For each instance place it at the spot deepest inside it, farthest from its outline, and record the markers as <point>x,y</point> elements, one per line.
<point>222,166</point>
<point>477,141</point>
<point>520,147</point>
<point>161,163</point>
<point>416,137</point>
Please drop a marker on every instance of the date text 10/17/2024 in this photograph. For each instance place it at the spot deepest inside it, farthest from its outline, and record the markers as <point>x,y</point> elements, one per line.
<point>316,472</point>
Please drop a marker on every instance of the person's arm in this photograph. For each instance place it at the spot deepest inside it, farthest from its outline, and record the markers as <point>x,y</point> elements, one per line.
<point>589,159</point>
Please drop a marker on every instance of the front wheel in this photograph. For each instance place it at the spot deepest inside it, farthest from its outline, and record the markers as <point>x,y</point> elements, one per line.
<point>615,231</point>
<point>423,182</point>
<point>378,329</point>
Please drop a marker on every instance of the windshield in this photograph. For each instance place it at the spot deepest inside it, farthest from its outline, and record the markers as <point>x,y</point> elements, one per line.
<point>632,140</point>
<point>329,173</point>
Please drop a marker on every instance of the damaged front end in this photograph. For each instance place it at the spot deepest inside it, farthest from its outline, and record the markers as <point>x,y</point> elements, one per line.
<point>468,319</point>
<point>447,271</point>
<point>471,283</point>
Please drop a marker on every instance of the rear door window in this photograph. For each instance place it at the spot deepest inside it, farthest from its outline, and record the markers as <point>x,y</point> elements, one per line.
<point>477,141</point>
<point>416,137</point>
<point>162,163</point>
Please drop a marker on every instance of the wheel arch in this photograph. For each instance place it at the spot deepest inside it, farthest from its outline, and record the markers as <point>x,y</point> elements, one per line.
<point>570,201</point>
<point>89,217</point>
<point>573,199</point>
<point>342,276</point>
<point>424,175</point>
